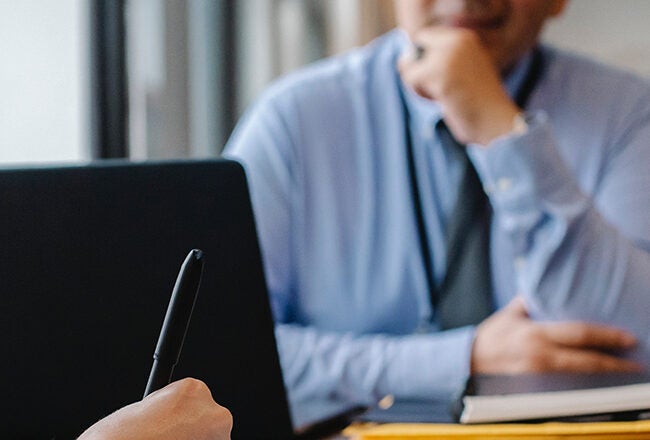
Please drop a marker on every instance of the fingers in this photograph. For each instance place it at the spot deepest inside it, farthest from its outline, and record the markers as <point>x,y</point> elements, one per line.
<point>509,342</point>
<point>458,72</point>
<point>582,347</point>
<point>431,66</point>
<point>424,74</point>
<point>586,335</point>
<point>589,361</point>
<point>426,67</point>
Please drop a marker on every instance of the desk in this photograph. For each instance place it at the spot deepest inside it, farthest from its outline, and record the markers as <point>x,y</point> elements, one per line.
<point>637,430</point>
<point>424,415</point>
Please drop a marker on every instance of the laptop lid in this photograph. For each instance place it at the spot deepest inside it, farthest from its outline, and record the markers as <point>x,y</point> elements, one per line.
<point>88,259</point>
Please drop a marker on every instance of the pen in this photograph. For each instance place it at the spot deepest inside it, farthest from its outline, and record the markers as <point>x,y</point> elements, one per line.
<point>177,320</point>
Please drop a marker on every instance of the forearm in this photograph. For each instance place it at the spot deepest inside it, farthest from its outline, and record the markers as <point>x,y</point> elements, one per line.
<point>569,261</point>
<point>364,369</point>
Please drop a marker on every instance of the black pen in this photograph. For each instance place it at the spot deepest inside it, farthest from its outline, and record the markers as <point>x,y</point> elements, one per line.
<point>177,320</point>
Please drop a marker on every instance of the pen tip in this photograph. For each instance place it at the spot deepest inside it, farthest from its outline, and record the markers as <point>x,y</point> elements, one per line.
<point>197,254</point>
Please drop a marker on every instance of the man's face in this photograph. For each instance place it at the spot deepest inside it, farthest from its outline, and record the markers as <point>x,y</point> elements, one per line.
<point>507,28</point>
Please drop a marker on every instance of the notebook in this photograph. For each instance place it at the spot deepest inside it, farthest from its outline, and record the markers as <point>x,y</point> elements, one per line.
<point>555,396</point>
<point>88,259</point>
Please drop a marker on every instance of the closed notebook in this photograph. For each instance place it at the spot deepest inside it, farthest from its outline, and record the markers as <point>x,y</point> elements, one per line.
<point>567,397</point>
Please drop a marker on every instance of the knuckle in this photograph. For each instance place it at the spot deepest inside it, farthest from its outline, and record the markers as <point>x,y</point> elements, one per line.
<point>192,386</point>
<point>535,353</point>
<point>226,416</point>
<point>536,360</point>
<point>565,363</point>
<point>222,420</point>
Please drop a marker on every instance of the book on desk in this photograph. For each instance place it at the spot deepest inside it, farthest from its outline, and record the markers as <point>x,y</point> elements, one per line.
<point>541,407</point>
<point>560,396</point>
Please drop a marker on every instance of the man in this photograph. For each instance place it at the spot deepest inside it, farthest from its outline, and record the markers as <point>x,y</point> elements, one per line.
<point>183,410</point>
<point>355,179</point>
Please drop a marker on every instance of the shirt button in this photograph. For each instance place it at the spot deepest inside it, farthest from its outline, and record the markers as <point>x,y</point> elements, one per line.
<point>386,402</point>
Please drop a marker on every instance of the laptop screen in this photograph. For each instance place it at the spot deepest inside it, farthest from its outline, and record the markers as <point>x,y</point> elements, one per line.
<point>88,259</point>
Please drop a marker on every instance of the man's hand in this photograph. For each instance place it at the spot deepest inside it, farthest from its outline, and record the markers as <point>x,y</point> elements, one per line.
<point>509,342</point>
<point>183,410</point>
<point>457,72</point>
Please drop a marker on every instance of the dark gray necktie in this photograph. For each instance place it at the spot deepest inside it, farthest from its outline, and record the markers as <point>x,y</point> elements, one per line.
<point>465,295</point>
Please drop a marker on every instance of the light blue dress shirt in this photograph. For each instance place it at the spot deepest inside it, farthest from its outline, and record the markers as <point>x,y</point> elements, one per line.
<point>325,154</point>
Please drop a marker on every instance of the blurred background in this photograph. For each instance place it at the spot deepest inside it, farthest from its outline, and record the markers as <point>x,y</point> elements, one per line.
<point>151,79</point>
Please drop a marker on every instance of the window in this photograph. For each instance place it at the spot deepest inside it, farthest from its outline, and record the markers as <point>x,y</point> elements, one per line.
<point>43,81</point>
<point>194,65</point>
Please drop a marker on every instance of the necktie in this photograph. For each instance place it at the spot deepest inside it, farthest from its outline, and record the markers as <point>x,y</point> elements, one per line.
<point>464,297</point>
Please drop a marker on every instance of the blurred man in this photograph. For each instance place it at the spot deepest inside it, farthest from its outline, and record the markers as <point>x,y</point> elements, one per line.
<point>452,198</point>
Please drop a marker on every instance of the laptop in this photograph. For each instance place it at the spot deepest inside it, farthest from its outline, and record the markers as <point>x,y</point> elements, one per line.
<point>88,259</point>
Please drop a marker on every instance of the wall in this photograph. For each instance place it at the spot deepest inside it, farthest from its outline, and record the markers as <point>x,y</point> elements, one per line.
<point>44,68</point>
<point>615,31</point>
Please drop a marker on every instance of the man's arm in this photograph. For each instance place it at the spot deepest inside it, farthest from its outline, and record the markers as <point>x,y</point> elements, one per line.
<point>315,362</point>
<point>577,258</point>
<point>183,410</point>
<point>509,342</point>
<point>365,368</point>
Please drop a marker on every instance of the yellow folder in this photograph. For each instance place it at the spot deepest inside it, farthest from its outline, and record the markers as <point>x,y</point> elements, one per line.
<point>635,430</point>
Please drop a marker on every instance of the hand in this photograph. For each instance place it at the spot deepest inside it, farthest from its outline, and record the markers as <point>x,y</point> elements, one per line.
<point>458,72</point>
<point>509,342</point>
<point>183,410</point>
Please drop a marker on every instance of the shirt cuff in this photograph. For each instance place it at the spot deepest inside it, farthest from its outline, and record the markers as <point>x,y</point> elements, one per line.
<point>523,172</point>
<point>433,366</point>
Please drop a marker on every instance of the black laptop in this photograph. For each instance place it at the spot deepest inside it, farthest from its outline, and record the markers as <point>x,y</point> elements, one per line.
<point>88,259</point>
